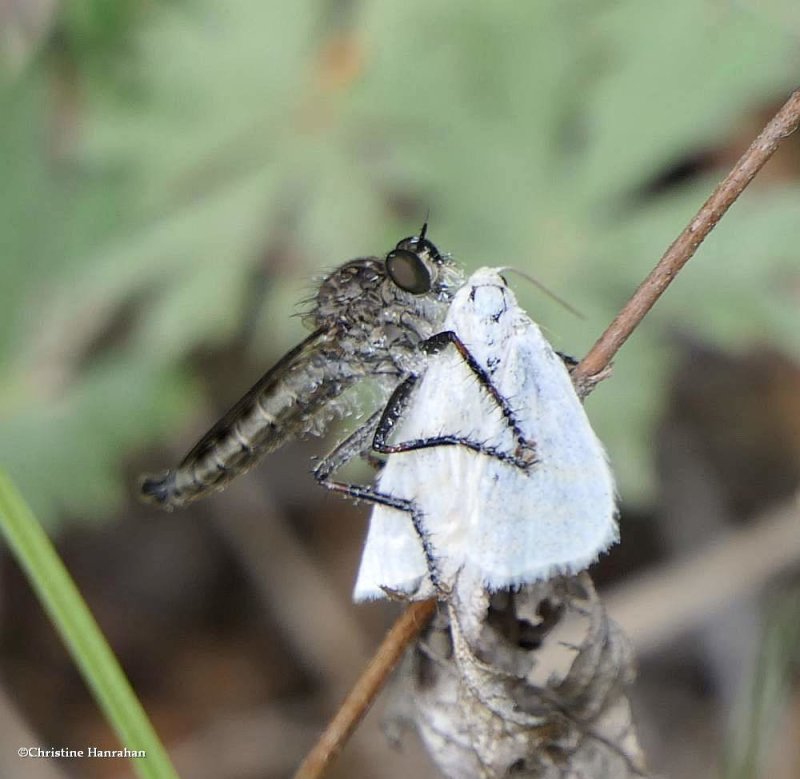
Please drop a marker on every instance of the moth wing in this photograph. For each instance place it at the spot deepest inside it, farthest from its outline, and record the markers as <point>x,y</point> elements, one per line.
<point>392,560</point>
<point>561,514</point>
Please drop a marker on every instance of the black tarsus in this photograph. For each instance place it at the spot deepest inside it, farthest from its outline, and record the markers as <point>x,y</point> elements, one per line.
<point>440,341</point>
<point>569,361</point>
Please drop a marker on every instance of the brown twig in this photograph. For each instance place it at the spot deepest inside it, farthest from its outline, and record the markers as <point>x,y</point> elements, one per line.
<point>784,123</point>
<point>416,616</point>
<point>369,684</point>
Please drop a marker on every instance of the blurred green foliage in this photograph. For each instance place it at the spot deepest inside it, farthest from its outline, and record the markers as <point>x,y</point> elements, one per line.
<point>150,158</point>
<point>766,698</point>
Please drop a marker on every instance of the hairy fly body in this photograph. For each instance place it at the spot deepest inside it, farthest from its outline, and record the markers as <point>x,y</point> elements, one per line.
<point>370,318</point>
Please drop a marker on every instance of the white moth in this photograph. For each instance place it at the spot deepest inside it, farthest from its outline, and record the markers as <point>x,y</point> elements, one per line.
<point>491,520</point>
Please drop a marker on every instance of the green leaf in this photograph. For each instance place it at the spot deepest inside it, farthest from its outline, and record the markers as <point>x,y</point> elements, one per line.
<point>74,622</point>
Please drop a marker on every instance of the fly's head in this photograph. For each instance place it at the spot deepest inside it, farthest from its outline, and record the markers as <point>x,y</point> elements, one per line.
<point>417,267</point>
<point>383,308</point>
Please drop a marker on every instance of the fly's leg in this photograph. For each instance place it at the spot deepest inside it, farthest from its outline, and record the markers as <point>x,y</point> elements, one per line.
<point>360,492</point>
<point>380,426</point>
<point>359,444</point>
<point>524,456</point>
<point>569,361</point>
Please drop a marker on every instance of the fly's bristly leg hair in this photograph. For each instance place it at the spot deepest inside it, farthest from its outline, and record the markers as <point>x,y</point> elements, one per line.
<point>355,445</point>
<point>568,360</point>
<point>360,492</point>
<point>523,458</point>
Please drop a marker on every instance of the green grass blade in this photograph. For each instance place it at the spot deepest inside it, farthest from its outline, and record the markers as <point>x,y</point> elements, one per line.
<point>73,620</point>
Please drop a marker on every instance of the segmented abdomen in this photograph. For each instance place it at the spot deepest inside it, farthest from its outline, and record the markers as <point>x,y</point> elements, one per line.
<point>292,399</point>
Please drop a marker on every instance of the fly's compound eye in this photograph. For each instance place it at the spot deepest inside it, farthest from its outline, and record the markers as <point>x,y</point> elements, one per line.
<point>408,271</point>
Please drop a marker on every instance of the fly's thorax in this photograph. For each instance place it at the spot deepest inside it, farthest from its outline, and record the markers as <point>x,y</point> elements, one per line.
<point>381,323</point>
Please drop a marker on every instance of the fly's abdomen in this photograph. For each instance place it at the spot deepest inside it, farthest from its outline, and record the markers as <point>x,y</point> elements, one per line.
<point>231,451</point>
<point>291,400</point>
<point>205,473</point>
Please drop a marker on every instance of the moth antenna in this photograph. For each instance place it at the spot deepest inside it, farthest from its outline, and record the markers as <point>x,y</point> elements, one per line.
<point>538,284</point>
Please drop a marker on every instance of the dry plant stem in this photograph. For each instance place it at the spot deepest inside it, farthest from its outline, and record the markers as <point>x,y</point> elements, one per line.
<point>369,684</point>
<point>784,123</point>
<point>416,616</point>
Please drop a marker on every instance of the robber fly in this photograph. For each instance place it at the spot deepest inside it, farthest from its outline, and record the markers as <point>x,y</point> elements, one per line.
<point>370,319</point>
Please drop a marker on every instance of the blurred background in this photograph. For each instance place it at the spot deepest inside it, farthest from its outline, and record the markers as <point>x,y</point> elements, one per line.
<point>174,175</point>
